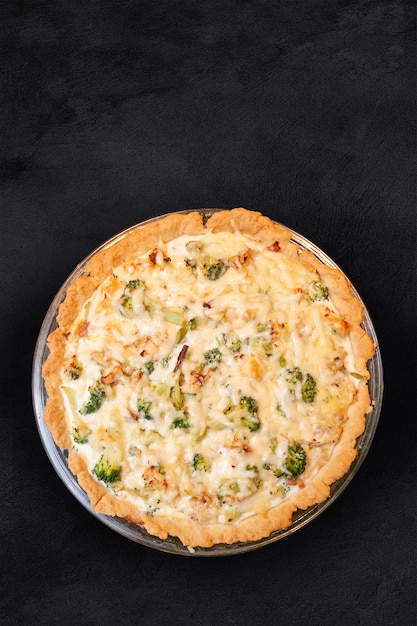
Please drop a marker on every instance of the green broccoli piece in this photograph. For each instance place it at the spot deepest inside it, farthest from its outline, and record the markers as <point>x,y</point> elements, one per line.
<point>249,404</point>
<point>134,284</point>
<point>81,432</point>
<point>144,408</point>
<point>279,473</point>
<point>298,380</point>
<point>255,478</point>
<point>200,463</point>
<point>250,421</point>
<point>213,356</point>
<point>296,459</point>
<point>127,302</point>
<point>150,366</point>
<point>293,376</point>
<point>180,422</point>
<point>213,270</point>
<point>107,470</point>
<point>316,290</point>
<point>97,394</point>
<point>235,345</point>
<point>308,389</point>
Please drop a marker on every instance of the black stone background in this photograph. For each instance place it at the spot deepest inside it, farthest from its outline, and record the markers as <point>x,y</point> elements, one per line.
<point>113,112</point>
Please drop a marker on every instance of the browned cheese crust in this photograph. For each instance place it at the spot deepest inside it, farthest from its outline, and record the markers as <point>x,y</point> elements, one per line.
<point>138,242</point>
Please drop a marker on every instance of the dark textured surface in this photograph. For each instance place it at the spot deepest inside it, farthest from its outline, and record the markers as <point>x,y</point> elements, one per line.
<point>113,112</point>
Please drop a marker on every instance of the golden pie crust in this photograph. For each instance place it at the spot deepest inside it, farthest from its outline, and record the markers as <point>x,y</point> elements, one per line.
<point>315,488</point>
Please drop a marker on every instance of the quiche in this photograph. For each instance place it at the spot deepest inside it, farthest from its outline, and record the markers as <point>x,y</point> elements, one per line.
<point>208,377</point>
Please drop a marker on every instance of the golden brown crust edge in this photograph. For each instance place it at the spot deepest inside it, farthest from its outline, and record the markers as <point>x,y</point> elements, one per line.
<point>137,242</point>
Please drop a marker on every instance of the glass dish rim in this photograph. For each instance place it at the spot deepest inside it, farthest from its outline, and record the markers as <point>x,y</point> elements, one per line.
<point>58,456</point>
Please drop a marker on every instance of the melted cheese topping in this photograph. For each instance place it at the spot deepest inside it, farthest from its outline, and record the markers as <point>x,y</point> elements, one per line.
<point>193,369</point>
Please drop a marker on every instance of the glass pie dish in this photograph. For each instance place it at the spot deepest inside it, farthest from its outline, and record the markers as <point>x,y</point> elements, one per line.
<point>134,532</point>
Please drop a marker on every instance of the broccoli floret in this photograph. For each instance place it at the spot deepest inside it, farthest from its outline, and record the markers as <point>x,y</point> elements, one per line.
<point>235,345</point>
<point>200,463</point>
<point>249,404</point>
<point>232,342</point>
<point>144,408</point>
<point>213,270</point>
<point>127,302</point>
<point>316,290</point>
<point>150,366</point>
<point>126,299</point>
<point>305,383</point>
<point>255,477</point>
<point>308,390</point>
<point>251,421</point>
<point>107,470</point>
<point>180,422</point>
<point>296,459</point>
<point>213,356</point>
<point>97,394</point>
<point>293,376</point>
<point>279,473</point>
<point>80,433</point>
<point>134,284</point>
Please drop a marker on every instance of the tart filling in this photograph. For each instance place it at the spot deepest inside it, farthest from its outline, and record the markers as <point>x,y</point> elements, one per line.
<point>208,380</point>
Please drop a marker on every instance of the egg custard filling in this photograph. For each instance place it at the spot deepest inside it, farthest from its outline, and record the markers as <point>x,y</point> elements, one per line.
<point>208,379</point>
